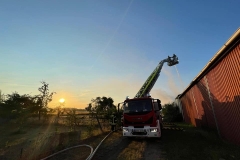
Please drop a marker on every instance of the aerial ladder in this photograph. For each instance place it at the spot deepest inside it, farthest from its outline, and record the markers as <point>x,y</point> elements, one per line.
<point>149,83</point>
<point>141,114</point>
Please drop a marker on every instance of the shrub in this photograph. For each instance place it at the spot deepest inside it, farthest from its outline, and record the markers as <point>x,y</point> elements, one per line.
<point>171,113</point>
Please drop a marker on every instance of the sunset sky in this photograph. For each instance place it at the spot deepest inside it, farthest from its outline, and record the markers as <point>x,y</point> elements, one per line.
<point>89,48</point>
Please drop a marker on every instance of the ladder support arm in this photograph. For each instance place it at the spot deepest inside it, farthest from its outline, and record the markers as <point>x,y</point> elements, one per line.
<point>149,83</point>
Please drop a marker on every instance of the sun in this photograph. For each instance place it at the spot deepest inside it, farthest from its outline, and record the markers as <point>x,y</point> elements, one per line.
<point>61,100</point>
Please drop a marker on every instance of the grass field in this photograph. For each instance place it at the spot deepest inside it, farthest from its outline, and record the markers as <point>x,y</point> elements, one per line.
<point>38,139</point>
<point>197,144</point>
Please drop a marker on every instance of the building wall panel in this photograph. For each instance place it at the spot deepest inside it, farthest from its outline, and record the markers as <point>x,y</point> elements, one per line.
<point>188,108</point>
<point>224,82</point>
<point>186,115</point>
<point>193,108</point>
<point>206,103</point>
<point>199,102</point>
<point>214,101</point>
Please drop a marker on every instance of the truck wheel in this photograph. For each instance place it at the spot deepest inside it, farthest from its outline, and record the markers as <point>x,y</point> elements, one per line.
<point>161,128</point>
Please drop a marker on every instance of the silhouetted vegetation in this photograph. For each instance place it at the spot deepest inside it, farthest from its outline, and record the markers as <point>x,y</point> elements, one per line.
<point>102,105</point>
<point>21,107</point>
<point>44,98</point>
<point>101,108</point>
<point>171,113</point>
<point>47,129</point>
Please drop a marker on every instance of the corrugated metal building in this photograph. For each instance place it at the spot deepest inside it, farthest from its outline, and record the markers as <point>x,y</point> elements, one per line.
<point>213,97</point>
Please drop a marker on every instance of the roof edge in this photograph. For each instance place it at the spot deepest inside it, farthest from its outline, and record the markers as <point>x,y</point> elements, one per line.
<point>217,54</point>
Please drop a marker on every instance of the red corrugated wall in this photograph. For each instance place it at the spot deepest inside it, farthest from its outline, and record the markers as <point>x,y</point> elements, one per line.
<point>215,100</point>
<point>207,102</point>
<point>224,84</point>
<point>188,109</point>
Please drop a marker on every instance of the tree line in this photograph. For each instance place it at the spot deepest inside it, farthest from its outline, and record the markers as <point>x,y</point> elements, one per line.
<point>15,106</point>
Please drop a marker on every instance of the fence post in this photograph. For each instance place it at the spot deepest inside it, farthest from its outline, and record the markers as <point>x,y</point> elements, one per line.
<point>99,123</point>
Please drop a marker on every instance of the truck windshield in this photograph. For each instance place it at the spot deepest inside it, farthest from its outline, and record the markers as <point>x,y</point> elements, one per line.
<point>138,106</point>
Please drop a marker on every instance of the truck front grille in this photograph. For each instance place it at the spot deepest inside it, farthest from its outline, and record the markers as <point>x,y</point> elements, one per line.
<point>149,121</point>
<point>139,133</point>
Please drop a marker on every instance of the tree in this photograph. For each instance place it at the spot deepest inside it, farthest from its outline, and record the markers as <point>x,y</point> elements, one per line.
<point>43,99</point>
<point>101,105</point>
<point>16,104</point>
<point>60,109</point>
<point>1,97</point>
<point>22,106</point>
<point>171,113</point>
<point>11,103</point>
<point>19,107</point>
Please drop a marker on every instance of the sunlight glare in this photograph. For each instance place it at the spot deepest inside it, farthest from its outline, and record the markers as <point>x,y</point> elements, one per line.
<point>62,100</point>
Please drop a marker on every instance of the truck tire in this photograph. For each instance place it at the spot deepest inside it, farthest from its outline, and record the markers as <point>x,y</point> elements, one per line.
<point>161,128</point>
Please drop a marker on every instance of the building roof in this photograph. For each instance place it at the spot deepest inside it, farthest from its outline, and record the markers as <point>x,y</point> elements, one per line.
<point>223,51</point>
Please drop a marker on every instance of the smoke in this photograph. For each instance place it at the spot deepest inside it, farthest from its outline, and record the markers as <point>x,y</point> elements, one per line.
<point>170,88</point>
<point>172,81</point>
<point>118,87</point>
<point>163,96</point>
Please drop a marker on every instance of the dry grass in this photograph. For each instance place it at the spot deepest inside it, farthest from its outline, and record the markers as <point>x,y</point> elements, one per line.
<point>135,150</point>
<point>38,139</point>
<point>199,144</point>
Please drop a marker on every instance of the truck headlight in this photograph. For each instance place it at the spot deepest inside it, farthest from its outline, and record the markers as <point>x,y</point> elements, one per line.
<point>125,130</point>
<point>153,130</point>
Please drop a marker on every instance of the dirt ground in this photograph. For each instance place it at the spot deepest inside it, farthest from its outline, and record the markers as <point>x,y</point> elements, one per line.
<point>117,147</point>
<point>123,148</point>
<point>190,143</point>
<point>39,141</point>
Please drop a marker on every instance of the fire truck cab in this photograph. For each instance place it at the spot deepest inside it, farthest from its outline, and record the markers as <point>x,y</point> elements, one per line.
<point>141,114</point>
<point>141,117</point>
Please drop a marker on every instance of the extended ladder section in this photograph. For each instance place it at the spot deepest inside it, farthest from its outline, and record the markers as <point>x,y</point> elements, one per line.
<point>149,83</point>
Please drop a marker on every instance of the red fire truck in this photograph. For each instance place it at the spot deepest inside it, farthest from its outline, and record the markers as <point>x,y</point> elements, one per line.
<point>141,114</point>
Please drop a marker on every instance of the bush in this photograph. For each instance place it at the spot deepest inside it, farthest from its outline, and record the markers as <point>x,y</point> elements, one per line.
<point>171,113</point>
